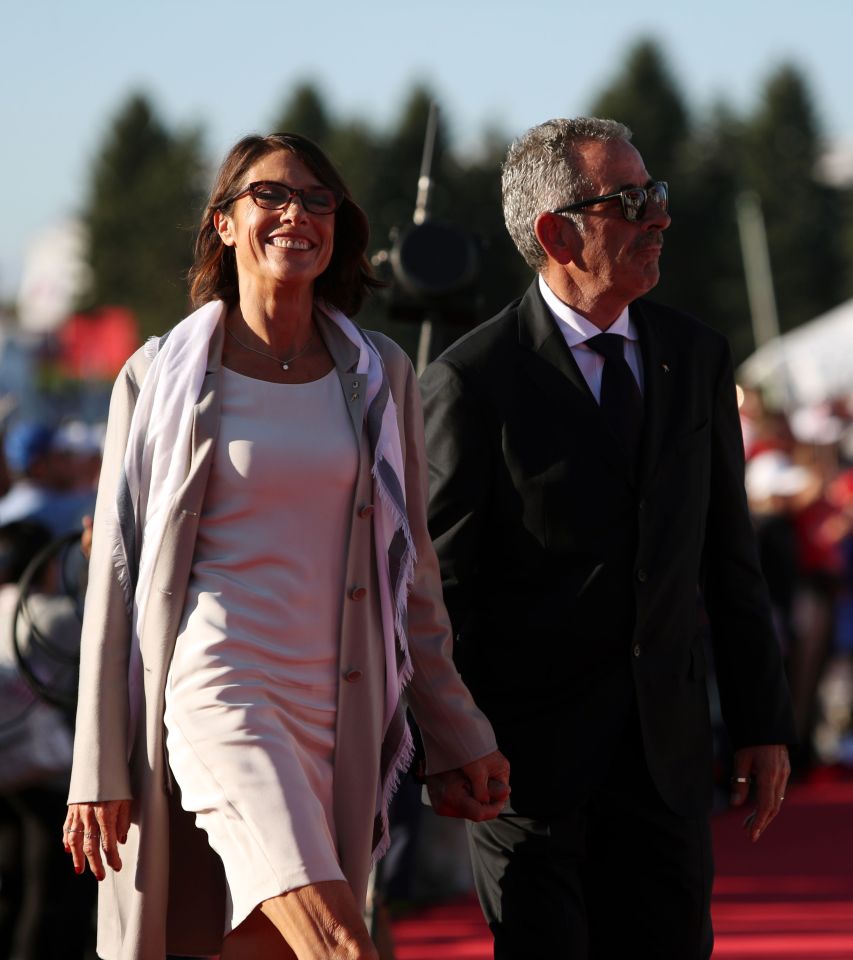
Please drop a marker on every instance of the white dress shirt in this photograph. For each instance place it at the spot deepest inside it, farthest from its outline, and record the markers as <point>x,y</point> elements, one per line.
<point>576,330</point>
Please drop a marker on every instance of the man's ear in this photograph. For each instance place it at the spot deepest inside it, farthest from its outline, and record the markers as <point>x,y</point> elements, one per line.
<point>558,236</point>
<point>225,228</point>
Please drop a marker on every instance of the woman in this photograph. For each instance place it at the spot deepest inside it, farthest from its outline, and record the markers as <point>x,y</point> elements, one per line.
<point>262,585</point>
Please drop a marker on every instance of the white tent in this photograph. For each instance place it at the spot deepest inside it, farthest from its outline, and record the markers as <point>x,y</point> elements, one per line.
<point>809,365</point>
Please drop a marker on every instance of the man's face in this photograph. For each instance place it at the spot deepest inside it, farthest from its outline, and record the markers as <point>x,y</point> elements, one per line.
<point>618,259</point>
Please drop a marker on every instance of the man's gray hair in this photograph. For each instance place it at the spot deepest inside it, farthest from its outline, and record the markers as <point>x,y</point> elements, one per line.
<point>542,172</point>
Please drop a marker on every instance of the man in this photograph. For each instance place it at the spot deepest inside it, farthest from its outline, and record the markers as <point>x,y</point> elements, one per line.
<point>585,506</point>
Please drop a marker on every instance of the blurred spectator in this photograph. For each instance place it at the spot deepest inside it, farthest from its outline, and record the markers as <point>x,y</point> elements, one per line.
<point>45,480</point>
<point>82,443</point>
<point>776,488</point>
<point>834,735</point>
<point>45,910</point>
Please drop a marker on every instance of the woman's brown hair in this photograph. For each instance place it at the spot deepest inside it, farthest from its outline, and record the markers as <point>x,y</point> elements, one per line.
<point>348,278</point>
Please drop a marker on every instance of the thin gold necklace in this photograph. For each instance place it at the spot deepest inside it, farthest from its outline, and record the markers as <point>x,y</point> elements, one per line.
<point>286,362</point>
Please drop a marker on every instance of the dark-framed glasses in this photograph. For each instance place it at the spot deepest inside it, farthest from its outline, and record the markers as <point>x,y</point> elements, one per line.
<point>634,200</point>
<point>272,195</point>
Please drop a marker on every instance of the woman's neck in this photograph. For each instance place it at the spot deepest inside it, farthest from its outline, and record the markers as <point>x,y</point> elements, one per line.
<point>282,319</point>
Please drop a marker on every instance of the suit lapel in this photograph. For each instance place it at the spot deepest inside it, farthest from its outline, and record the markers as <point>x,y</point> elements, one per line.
<point>548,362</point>
<point>659,377</point>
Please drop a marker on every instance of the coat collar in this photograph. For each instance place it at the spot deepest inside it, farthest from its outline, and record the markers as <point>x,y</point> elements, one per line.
<point>548,360</point>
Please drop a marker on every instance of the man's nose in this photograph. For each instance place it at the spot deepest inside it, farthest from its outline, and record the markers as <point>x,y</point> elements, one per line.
<point>655,217</point>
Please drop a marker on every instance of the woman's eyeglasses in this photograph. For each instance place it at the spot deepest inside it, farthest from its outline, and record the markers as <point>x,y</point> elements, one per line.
<point>272,195</point>
<point>634,200</point>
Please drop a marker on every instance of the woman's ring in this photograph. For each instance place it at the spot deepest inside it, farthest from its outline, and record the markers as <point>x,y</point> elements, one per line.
<point>90,836</point>
<point>741,779</point>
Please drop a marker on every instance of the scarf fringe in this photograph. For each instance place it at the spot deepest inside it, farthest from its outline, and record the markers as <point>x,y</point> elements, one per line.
<point>397,769</point>
<point>121,567</point>
<point>409,563</point>
<point>150,348</point>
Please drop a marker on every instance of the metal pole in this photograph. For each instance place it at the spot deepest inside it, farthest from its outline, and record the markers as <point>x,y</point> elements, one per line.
<point>759,285</point>
<point>425,177</point>
<point>420,215</point>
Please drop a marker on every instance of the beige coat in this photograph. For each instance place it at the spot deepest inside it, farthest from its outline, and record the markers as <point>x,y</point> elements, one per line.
<point>169,895</point>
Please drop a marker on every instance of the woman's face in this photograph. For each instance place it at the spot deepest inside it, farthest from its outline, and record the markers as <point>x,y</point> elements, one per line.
<point>277,248</point>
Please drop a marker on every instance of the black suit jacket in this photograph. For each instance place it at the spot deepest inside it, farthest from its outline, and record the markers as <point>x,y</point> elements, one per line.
<point>573,581</point>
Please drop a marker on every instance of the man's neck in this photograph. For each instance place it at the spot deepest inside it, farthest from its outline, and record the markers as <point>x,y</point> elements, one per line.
<point>601,310</point>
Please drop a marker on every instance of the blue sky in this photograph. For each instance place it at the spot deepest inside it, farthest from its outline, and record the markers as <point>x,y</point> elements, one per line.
<point>67,65</point>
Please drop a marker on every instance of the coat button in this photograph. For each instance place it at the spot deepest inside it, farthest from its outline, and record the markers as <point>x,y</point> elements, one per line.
<point>353,676</point>
<point>356,384</point>
<point>636,649</point>
<point>365,510</point>
<point>358,593</point>
<point>642,576</point>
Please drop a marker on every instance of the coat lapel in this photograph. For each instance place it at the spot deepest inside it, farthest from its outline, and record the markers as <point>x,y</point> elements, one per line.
<point>659,376</point>
<point>345,356</point>
<point>548,362</point>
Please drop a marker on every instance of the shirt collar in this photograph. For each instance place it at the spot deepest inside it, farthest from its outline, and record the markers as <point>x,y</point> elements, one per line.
<point>575,327</point>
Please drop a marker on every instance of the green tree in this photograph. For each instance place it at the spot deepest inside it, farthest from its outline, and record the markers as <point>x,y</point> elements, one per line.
<point>145,197</point>
<point>803,217</point>
<point>645,96</point>
<point>705,211</point>
<point>305,112</point>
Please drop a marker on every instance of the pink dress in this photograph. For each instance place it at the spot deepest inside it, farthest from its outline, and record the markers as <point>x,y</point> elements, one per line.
<point>251,697</point>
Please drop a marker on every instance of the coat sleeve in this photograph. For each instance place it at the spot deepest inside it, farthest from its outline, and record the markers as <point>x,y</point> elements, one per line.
<point>100,768</point>
<point>453,729</point>
<point>750,676</point>
<point>462,471</point>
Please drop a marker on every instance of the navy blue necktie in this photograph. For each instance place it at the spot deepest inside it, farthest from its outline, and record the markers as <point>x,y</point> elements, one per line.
<point>621,401</point>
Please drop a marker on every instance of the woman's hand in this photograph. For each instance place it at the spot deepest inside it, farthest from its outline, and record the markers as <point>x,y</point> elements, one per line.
<point>92,827</point>
<point>477,791</point>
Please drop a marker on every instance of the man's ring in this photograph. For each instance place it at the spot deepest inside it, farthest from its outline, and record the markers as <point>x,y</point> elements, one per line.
<point>741,779</point>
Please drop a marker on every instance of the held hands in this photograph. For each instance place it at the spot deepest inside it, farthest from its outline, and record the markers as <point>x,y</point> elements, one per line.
<point>476,791</point>
<point>91,828</point>
<point>766,769</point>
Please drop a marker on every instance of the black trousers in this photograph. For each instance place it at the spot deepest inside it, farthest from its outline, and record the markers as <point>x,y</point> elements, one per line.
<point>617,876</point>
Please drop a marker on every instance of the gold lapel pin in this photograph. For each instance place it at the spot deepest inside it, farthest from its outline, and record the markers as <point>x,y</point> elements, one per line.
<point>665,367</point>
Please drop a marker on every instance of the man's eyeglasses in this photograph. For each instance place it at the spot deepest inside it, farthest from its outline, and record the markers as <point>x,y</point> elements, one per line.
<point>272,195</point>
<point>634,200</point>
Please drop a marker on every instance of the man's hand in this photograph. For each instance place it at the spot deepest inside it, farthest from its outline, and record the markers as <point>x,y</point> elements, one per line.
<point>766,769</point>
<point>476,791</point>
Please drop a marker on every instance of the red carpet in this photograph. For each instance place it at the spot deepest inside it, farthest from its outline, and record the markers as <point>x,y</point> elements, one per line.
<point>788,897</point>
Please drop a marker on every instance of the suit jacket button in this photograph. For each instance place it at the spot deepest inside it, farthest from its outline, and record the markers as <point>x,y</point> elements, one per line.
<point>353,676</point>
<point>358,593</point>
<point>365,511</point>
<point>636,649</point>
<point>642,576</point>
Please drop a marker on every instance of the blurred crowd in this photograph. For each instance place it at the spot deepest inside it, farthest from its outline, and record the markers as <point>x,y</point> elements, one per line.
<point>48,474</point>
<point>799,483</point>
